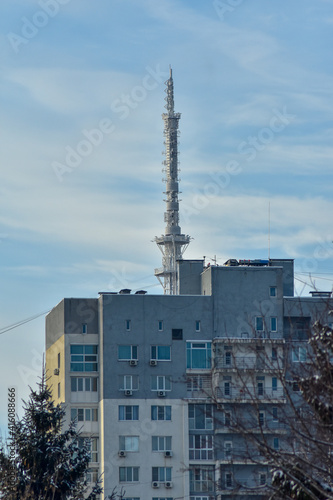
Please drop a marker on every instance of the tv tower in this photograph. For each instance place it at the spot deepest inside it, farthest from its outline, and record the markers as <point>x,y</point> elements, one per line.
<point>172,244</point>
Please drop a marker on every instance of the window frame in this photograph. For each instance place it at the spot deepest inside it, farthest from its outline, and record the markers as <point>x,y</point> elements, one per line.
<point>83,382</point>
<point>299,354</point>
<point>75,362</point>
<point>205,450</point>
<point>156,355</point>
<point>129,471</point>
<point>273,324</point>
<point>132,386</point>
<point>126,443</point>
<point>122,409</point>
<point>162,444</point>
<point>163,383</point>
<point>161,474</point>
<point>193,346</point>
<point>165,411</point>
<point>131,355</point>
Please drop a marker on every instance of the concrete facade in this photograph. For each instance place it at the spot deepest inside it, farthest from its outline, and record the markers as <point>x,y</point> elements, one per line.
<point>153,379</point>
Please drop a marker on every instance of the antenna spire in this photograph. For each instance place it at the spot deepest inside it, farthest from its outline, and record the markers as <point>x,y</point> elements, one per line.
<point>172,244</point>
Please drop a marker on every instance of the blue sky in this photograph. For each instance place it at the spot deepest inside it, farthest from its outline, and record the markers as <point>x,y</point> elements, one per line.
<point>253,81</point>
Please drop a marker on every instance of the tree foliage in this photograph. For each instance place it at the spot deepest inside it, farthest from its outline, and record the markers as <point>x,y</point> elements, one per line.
<point>46,461</point>
<point>302,463</point>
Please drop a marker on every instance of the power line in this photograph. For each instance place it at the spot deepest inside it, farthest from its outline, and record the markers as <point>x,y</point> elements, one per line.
<point>22,322</point>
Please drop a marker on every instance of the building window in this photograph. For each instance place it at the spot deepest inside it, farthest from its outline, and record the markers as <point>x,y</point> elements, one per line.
<point>227,388</point>
<point>128,474</point>
<point>296,387</point>
<point>128,325</point>
<point>275,414</point>
<point>161,474</point>
<point>128,382</point>
<point>160,383</point>
<point>91,444</point>
<point>261,418</point>
<point>92,475</point>
<point>84,358</point>
<point>273,324</point>
<point>160,352</point>
<point>228,358</point>
<point>259,323</point>
<point>272,291</point>
<point>84,328</point>
<point>177,334</point>
<point>127,352</point>
<point>59,390</point>
<point>161,443</point>
<point>228,480</point>
<point>227,450</point>
<point>129,443</point>
<point>202,478</point>
<point>58,360</point>
<point>199,355</point>
<point>88,384</point>
<point>197,326</point>
<point>276,443</point>
<point>262,479</point>
<point>201,447</point>
<point>227,418</point>
<point>260,388</point>
<point>274,354</point>
<point>299,354</point>
<point>161,412</point>
<point>160,326</point>
<point>200,416</point>
<point>274,383</point>
<point>128,412</point>
<point>84,414</point>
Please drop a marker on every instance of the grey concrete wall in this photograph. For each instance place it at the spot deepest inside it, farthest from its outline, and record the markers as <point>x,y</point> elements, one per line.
<point>55,324</point>
<point>189,276</point>
<point>145,311</point>
<point>240,294</point>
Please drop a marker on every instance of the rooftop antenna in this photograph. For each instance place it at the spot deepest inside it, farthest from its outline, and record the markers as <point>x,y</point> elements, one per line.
<point>172,244</point>
<point>269,231</point>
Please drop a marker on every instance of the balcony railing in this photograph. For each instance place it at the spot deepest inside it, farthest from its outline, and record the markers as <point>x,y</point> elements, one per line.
<point>249,393</point>
<point>247,363</point>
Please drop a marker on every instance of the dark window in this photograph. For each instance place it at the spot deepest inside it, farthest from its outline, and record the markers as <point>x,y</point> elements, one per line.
<point>177,334</point>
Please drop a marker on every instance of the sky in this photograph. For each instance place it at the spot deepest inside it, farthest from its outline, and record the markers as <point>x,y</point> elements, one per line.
<point>81,192</point>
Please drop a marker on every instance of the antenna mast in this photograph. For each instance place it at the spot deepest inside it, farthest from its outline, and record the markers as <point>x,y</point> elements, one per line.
<point>172,244</point>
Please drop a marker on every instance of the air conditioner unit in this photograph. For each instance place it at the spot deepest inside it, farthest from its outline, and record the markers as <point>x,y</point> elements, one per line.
<point>133,362</point>
<point>155,484</point>
<point>168,484</point>
<point>161,394</point>
<point>128,392</point>
<point>168,453</point>
<point>122,453</point>
<point>56,371</point>
<point>153,362</point>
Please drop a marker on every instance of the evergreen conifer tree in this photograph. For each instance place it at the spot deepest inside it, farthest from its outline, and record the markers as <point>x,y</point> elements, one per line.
<point>48,463</point>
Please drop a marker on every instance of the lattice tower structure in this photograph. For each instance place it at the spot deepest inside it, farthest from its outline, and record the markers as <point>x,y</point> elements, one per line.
<point>173,243</point>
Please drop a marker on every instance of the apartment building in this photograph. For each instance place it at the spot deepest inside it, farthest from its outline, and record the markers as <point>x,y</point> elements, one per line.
<point>157,381</point>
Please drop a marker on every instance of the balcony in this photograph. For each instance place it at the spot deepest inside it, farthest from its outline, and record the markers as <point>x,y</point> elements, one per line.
<point>253,363</point>
<point>248,394</point>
